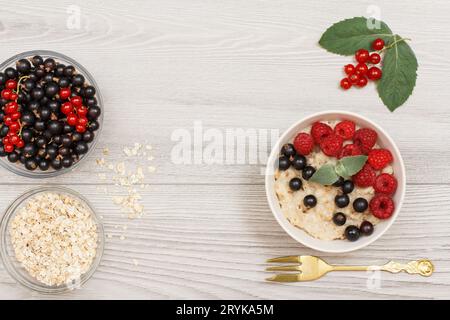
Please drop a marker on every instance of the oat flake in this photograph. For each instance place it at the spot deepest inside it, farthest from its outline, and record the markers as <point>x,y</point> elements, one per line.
<point>54,238</point>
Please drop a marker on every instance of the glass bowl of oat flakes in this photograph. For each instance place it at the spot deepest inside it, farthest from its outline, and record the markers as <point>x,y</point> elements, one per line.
<point>51,240</point>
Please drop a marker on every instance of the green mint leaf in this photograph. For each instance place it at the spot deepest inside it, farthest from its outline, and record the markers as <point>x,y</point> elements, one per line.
<point>399,74</point>
<point>341,170</point>
<point>352,165</point>
<point>347,36</point>
<point>326,175</point>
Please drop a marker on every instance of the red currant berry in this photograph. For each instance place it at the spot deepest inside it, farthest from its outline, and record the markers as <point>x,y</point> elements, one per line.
<point>77,101</point>
<point>11,84</point>
<point>345,84</point>
<point>14,126</point>
<point>374,73</point>
<point>8,148</point>
<point>354,77</point>
<point>362,55</point>
<point>13,96</point>
<point>72,119</point>
<point>5,140</point>
<point>64,93</point>
<point>82,121</point>
<point>7,120</point>
<point>82,111</point>
<point>378,44</point>
<point>374,58</point>
<point>349,69</point>
<point>11,107</point>
<point>66,108</point>
<point>362,82</point>
<point>361,68</point>
<point>14,139</point>
<point>6,94</point>
<point>80,128</point>
<point>20,143</point>
<point>16,116</point>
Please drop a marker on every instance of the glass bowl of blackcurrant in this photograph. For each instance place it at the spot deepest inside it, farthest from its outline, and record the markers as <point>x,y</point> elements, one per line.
<point>51,114</point>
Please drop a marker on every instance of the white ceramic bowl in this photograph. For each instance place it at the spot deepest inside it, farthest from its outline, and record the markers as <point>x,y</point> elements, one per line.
<point>335,246</point>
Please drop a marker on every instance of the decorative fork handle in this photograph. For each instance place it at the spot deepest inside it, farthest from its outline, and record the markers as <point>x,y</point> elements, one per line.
<point>423,267</point>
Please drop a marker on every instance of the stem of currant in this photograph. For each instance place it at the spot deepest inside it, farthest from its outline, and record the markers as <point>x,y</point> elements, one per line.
<point>394,43</point>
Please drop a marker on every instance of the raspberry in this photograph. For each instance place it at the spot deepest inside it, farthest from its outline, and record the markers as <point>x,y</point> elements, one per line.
<point>382,206</point>
<point>345,129</point>
<point>331,145</point>
<point>379,158</point>
<point>303,143</point>
<point>385,183</point>
<point>365,177</point>
<point>350,150</point>
<point>319,131</point>
<point>365,138</point>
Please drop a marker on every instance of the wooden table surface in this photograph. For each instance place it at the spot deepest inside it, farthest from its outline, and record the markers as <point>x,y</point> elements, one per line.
<point>207,229</point>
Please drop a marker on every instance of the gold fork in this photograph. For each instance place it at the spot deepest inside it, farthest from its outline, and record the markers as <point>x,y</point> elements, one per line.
<point>312,268</point>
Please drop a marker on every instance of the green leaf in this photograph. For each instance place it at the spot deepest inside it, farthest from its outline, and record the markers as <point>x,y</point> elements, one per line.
<point>326,175</point>
<point>347,36</point>
<point>352,164</point>
<point>399,74</point>
<point>341,170</point>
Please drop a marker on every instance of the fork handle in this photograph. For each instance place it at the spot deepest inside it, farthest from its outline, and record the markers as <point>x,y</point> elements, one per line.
<point>423,267</point>
<point>350,268</point>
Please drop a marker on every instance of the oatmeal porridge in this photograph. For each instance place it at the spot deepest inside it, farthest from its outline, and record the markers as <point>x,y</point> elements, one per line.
<point>341,208</point>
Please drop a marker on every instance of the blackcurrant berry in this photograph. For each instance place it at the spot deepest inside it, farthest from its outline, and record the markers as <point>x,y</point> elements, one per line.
<point>308,172</point>
<point>23,66</point>
<point>56,163</point>
<point>94,112</point>
<point>342,200</point>
<point>366,228</point>
<point>31,164</point>
<point>348,186</point>
<point>37,61</point>
<point>89,91</point>
<point>11,73</point>
<point>50,64</point>
<point>352,233</point>
<point>287,150</point>
<point>360,204</point>
<point>51,89</point>
<point>88,136</point>
<point>78,80</point>
<point>299,162</point>
<point>44,165</point>
<point>67,162</point>
<point>339,219</point>
<point>310,201</point>
<point>295,184</point>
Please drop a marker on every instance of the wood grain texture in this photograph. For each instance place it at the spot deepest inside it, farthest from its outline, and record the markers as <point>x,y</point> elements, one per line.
<point>237,64</point>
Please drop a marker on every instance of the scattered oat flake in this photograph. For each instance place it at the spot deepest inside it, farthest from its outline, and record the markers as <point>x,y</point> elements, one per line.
<point>135,262</point>
<point>151,169</point>
<point>122,237</point>
<point>105,151</point>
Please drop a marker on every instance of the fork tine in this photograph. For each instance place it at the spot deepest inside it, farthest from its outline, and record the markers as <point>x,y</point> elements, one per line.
<point>290,259</point>
<point>284,268</point>
<point>285,277</point>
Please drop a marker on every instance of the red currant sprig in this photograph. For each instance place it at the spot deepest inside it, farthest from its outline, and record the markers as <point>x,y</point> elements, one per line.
<point>360,74</point>
<point>74,110</point>
<point>12,116</point>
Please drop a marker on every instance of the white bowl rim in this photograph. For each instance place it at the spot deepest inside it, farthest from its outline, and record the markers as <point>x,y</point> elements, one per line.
<point>275,206</point>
